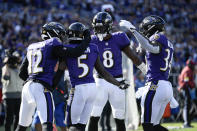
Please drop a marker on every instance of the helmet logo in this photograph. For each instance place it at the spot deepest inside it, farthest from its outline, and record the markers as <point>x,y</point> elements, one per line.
<point>146,21</point>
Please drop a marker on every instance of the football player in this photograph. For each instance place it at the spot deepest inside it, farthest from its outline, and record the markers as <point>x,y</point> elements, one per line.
<point>111,46</point>
<point>80,69</point>
<point>38,71</point>
<point>159,55</point>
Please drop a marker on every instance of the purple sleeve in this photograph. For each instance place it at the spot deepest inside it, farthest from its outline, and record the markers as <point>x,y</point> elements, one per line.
<point>96,49</point>
<point>124,41</point>
<point>160,39</point>
<point>57,42</point>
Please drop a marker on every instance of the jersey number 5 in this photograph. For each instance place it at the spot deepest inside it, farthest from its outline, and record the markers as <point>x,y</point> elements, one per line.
<point>83,65</point>
<point>35,58</point>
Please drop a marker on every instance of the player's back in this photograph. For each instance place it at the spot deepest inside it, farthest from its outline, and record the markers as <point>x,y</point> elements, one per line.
<point>81,68</point>
<point>41,61</point>
<point>110,51</point>
<point>159,65</point>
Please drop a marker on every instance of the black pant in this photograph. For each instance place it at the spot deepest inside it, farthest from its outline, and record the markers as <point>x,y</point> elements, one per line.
<point>105,117</point>
<point>187,106</point>
<point>12,107</point>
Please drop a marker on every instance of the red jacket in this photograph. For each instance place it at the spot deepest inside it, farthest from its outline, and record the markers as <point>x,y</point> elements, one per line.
<point>186,78</point>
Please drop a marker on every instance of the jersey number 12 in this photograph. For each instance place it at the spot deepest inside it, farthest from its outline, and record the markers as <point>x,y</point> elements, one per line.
<point>35,58</point>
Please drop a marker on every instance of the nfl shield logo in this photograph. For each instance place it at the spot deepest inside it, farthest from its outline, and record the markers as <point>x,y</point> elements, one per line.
<point>106,44</point>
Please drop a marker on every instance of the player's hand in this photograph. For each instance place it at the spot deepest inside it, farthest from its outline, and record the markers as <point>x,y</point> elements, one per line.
<point>87,35</point>
<point>127,24</point>
<point>123,85</point>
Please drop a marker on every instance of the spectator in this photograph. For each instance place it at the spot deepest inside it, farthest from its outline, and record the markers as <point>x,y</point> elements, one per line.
<point>12,87</point>
<point>186,82</point>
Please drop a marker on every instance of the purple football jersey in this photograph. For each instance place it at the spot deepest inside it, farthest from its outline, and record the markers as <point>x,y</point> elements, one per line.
<point>81,68</point>
<point>159,65</point>
<point>110,51</point>
<point>41,62</point>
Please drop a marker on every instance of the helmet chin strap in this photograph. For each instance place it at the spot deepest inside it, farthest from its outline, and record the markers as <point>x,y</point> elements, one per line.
<point>101,36</point>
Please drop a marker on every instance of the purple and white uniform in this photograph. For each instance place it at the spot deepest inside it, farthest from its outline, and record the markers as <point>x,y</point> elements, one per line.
<point>159,65</point>
<point>83,90</point>
<point>41,61</point>
<point>159,90</point>
<point>41,64</point>
<point>110,52</point>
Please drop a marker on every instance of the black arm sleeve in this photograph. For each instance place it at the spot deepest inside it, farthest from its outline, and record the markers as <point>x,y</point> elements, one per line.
<point>23,73</point>
<point>63,52</point>
<point>106,75</point>
<point>57,78</point>
<point>58,75</point>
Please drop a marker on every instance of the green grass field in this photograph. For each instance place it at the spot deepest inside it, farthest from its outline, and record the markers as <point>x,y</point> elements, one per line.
<point>176,127</point>
<point>170,126</point>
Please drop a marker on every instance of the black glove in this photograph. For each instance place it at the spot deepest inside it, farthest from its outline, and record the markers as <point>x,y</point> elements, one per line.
<point>123,85</point>
<point>87,36</point>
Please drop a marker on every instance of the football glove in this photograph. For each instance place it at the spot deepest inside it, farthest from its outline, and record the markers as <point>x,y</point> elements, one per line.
<point>126,24</point>
<point>123,85</point>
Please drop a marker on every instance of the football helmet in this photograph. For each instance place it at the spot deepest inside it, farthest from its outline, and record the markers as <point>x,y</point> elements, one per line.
<point>53,29</point>
<point>76,31</point>
<point>151,25</point>
<point>102,24</point>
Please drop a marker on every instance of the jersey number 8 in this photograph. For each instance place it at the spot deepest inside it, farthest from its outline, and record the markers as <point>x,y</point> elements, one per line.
<point>108,61</point>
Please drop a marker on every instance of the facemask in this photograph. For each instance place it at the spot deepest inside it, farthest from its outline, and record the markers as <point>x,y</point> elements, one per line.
<point>101,36</point>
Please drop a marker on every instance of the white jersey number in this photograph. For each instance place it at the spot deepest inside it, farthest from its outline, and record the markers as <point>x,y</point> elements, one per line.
<point>108,61</point>
<point>83,66</point>
<point>34,57</point>
<point>168,63</point>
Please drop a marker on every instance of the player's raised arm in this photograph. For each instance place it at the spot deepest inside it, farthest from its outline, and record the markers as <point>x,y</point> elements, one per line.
<point>153,47</point>
<point>23,72</point>
<point>63,52</point>
<point>136,60</point>
<point>107,76</point>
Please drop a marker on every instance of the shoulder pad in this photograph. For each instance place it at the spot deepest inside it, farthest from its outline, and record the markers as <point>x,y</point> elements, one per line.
<point>57,39</point>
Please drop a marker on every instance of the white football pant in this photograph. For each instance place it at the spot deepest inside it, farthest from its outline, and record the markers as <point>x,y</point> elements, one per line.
<point>80,103</point>
<point>154,102</point>
<point>116,97</point>
<point>35,97</point>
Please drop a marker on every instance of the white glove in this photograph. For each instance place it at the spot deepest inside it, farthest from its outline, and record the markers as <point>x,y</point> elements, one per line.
<point>127,24</point>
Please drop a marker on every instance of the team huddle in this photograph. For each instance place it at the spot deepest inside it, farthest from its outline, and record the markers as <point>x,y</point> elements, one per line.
<point>103,52</point>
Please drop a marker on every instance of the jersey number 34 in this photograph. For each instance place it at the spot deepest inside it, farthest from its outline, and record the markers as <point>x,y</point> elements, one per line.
<point>168,59</point>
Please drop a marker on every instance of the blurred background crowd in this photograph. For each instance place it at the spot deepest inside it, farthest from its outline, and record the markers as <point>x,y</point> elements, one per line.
<point>21,21</point>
